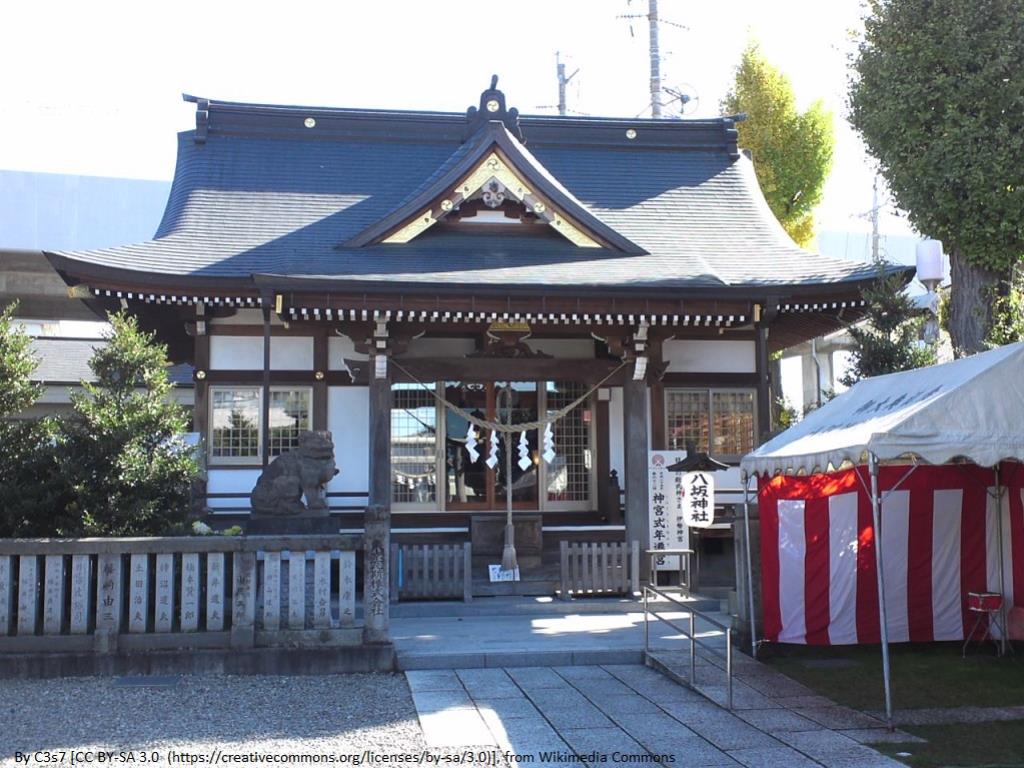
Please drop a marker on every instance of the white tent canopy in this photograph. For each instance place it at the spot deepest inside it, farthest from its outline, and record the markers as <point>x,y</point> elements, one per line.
<point>971,408</point>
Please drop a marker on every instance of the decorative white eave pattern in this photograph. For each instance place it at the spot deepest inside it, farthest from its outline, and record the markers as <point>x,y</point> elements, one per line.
<point>400,315</point>
<point>178,299</point>
<point>823,306</point>
<point>543,318</point>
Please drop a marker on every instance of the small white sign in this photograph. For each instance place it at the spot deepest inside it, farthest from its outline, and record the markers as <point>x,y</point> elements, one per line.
<point>698,499</point>
<point>496,574</point>
<point>668,531</point>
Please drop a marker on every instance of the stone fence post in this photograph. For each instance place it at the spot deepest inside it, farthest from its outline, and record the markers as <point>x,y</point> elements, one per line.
<point>376,573</point>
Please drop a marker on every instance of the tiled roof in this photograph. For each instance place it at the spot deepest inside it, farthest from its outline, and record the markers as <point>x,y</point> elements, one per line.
<point>66,361</point>
<point>253,197</point>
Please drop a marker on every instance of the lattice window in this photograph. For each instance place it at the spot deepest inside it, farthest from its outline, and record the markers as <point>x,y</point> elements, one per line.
<point>235,423</point>
<point>687,412</point>
<point>733,423</point>
<point>568,476</point>
<point>289,415</point>
<point>413,445</point>
<point>720,422</point>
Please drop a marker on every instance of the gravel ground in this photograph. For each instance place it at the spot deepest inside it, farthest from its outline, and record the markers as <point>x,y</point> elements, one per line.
<point>332,714</point>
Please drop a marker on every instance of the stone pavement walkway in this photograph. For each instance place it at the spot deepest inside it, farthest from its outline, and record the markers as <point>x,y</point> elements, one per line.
<point>524,639</point>
<point>757,688</point>
<point>559,715</point>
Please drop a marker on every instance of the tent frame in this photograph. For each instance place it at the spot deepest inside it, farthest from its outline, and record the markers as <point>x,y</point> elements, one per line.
<point>876,519</point>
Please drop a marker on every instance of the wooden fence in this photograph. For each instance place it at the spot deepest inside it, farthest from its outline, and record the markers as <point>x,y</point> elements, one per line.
<point>191,592</point>
<point>431,571</point>
<point>599,568</point>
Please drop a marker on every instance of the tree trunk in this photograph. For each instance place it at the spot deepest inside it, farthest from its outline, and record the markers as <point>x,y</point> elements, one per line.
<point>970,304</point>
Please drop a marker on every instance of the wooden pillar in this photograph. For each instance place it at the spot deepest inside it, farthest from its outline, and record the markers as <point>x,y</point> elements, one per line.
<point>265,416</point>
<point>380,440</point>
<point>201,411</point>
<point>658,439</point>
<point>764,402</point>
<point>634,403</point>
<point>603,451</point>
<point>320,367</point>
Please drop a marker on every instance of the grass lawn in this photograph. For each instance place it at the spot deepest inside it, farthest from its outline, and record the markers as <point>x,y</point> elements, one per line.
<point>977,744</point>
<point>932,675</point>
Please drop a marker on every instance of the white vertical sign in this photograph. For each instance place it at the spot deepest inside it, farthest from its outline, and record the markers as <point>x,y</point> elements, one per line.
<point>697,496</point>
<point>667,532</point>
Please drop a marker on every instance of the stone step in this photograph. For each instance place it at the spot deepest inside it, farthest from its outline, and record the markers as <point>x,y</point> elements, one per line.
<point>410,660</point>
<point>539,606</point>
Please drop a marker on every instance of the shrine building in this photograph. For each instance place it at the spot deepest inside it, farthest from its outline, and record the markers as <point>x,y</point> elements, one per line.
<point>351,269</point>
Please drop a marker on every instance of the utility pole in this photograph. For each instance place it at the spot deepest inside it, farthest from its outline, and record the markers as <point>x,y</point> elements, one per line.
<point>652,21</point>
<point>874,220</point>
<point>562,82</point>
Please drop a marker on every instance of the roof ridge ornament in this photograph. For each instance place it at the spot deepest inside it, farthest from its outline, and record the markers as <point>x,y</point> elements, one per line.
<point>492,107</point>
<point>202,115</point>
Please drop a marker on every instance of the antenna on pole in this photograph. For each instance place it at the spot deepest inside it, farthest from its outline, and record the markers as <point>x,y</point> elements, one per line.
<point>562,82</point>
<point>652,21</point>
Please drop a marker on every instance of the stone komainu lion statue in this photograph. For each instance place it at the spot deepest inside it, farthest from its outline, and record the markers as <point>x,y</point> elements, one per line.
<point>301,471</point>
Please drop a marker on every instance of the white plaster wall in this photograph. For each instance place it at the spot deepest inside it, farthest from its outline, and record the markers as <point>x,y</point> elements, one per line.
<point>440,348</point>
<point>709,356</point>
<point>572,349</point>
<point>287,353</point>
<point>239,481</point>
<point>348,419</point>
<point>339,349</point>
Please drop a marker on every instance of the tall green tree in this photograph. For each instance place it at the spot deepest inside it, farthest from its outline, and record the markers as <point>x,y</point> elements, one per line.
<point>792,150</point>
<point>17,364</point>
<point>30,500</point>
<point>123,455</point>
<point>938,96</point>
<point>888,341</point>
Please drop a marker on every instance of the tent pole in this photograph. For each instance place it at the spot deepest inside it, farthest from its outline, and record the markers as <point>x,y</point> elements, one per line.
<point>876,517</point>
<point>1002,564</point>
<point>750,567</point>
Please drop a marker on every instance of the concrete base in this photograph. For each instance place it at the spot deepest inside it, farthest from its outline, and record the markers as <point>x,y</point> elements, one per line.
<point>300,525</point>
<point>255,661</point>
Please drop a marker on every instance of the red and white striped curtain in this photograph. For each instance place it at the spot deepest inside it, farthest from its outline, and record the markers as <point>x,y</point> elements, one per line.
<point>939,537</point>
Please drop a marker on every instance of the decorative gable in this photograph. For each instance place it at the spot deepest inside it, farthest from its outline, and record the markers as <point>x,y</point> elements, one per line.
<point>492,172</point>
<point>494,183</point>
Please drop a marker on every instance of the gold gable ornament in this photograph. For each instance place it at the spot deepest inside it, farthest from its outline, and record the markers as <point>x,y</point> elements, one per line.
<point>496,182</point>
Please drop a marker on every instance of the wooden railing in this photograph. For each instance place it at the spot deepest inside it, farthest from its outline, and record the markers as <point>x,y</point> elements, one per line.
<point>190,592</point>
<point>431,571</point>
<point>599,568</point>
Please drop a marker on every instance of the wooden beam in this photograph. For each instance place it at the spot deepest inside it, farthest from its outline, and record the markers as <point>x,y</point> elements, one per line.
<point>485,369</point>
<point>634,397</point>
<point>764,405</point>
<point>710,380</point>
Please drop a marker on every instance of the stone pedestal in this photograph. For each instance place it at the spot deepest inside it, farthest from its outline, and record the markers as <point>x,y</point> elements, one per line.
<point>487,535</point>
<point>298,525</point>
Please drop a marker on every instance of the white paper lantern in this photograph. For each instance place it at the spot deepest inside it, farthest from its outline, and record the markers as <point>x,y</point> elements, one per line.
<point>930,263</point>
